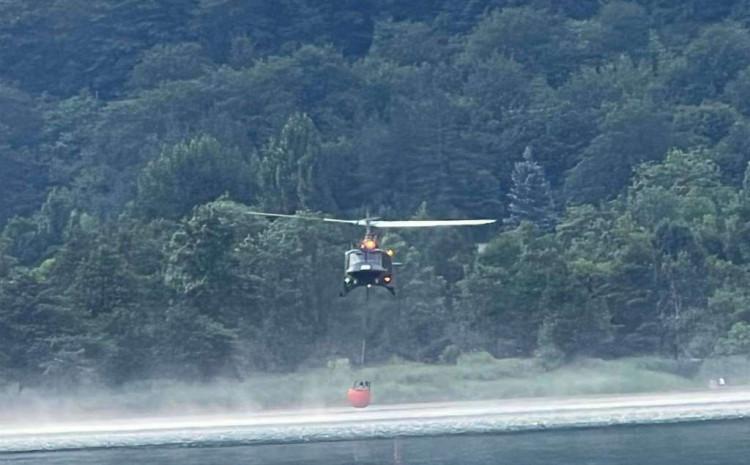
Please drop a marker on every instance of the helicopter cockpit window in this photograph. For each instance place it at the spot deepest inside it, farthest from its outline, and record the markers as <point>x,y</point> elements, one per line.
<point>374,259</point>
<point>355,258</point>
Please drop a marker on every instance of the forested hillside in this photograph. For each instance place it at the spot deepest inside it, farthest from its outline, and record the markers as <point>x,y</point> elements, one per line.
<point>609,138</point>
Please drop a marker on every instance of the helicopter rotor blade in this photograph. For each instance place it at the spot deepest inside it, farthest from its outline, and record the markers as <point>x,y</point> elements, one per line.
<point>377,223</point>
<point>428,223</point>
<point>302,217</point>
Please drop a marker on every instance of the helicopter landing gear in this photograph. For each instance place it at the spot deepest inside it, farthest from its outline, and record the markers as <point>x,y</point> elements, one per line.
<point>349,286</point>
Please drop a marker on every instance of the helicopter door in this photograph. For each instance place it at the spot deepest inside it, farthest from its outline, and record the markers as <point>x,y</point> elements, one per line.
<point>387,263</point>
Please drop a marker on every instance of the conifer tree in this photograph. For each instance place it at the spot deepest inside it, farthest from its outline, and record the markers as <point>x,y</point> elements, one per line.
<point>292,168</point>
<point>530,195</point>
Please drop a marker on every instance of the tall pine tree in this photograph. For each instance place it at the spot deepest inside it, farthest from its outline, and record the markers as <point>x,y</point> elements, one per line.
<point>530,195</point>
<point>292,169</point>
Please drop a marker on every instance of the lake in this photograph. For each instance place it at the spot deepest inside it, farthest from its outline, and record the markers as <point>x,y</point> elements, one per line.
<point>700,443</point>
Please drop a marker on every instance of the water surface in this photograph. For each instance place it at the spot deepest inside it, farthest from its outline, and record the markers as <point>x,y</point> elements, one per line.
<point>705,443</point>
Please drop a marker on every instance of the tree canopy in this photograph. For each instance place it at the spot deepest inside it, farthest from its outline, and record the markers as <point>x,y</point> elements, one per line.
<point>136,136</point>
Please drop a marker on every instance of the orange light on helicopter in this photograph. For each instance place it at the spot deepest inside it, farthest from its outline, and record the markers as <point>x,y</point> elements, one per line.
<point>369,244</point>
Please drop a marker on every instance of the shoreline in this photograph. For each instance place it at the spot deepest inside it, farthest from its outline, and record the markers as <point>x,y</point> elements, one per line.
<point>380,422</point>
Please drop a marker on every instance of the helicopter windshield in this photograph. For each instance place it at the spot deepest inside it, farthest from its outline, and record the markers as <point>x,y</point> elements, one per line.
<point>357,257</point>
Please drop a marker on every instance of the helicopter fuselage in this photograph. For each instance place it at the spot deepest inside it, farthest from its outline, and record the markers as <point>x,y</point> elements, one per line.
<point>368,267</point>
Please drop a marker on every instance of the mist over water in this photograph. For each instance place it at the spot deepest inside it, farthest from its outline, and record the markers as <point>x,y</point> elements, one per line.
<point>226,423</point>
<point>475,377</point>
<point>338,427</point>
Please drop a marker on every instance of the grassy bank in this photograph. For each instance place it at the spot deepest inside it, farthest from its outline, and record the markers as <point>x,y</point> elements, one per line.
<point>473,377</point>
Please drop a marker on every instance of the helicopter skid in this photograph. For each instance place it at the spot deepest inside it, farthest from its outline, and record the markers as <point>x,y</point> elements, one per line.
<point>348,289</point>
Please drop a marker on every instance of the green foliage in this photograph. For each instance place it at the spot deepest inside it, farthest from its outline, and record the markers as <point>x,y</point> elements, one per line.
<point>191,173</point>
<point>530,195</point>
<point>624,28</point>
<point>703,125</point>
<point>532,37</point>
<point>20,118</point>
<point>631,133</point>
<point>136,136</point>
<point>164,63</point>
<point>710,62</point>
<point>61,48</point>
<point>277,26</point>
<point>737,340</point>
<point>407,43</point>
<point>737,91</point>
<point>292,169</point>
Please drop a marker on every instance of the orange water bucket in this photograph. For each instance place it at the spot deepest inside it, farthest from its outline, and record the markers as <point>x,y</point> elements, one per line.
<point>359,395</point>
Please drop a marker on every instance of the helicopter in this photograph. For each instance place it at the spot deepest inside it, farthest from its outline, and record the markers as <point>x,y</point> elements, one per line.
<point>366,264</point>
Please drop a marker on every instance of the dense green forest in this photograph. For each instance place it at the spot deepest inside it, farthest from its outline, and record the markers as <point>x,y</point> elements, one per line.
<point>609,138</point>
